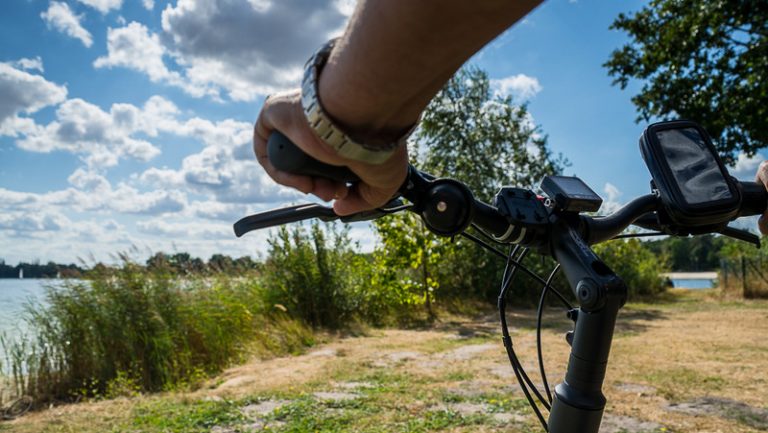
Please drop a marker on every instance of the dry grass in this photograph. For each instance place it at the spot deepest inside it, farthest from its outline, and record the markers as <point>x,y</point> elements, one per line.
<point>693,353</point>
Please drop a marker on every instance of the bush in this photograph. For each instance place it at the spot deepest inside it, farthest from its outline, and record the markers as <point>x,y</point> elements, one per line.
<point>631,260</point>
<point>311,275</point>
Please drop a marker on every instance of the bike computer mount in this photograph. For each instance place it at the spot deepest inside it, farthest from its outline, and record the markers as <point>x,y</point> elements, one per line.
<point>694,186</point>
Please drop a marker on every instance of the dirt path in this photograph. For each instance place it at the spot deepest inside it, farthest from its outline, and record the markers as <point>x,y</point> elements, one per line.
<point>680,367</point>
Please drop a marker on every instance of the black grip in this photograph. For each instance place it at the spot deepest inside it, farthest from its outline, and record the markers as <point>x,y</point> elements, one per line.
<point>754,198</point>
<point>286,156</point>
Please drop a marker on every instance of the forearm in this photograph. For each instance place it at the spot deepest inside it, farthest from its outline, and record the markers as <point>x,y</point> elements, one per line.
<point>396,54</point>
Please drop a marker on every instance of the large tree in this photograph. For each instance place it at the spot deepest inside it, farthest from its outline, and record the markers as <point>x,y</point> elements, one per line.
<point>486,140</point>
<point>702,60</point>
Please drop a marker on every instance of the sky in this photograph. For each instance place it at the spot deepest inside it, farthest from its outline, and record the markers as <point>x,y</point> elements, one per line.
<point>125,125</point>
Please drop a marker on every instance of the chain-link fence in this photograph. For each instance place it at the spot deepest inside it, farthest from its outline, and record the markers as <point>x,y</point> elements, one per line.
<point>746,276</point>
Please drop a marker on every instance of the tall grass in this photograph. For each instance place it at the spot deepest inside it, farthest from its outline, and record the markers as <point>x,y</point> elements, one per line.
<point>129,330</point>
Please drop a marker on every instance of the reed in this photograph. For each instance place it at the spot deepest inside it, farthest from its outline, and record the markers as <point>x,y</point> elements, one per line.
<point>129,329</point>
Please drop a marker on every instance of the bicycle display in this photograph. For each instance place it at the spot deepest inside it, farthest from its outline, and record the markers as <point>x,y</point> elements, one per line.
<point>692,194</point>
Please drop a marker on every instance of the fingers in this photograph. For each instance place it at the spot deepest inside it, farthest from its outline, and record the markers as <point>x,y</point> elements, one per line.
<point>261,133</point>
<point>762,174</point>
<point>362,197</point>
<point>762,224</point>
<point>762,177</point>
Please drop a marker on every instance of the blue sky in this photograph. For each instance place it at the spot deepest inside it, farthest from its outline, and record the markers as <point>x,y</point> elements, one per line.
<point>126,123</point>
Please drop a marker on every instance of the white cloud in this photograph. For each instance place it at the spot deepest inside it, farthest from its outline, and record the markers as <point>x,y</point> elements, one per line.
<point>22,92</point>
<point>25,64</point>
<point>100,138</point>
<point>246,48</point>
<point>746,167</point>
<point>135,47</point>
<point>103,6</point>
<point>611,202</point>
<point>21,222</point>
<point>60,17</point>
<point>180,229</point>
<point>521,87</point>
<point>148,4</point>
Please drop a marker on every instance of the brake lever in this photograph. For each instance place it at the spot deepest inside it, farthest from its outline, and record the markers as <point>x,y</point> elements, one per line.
<point>276,217</point>
<point>742,235</point>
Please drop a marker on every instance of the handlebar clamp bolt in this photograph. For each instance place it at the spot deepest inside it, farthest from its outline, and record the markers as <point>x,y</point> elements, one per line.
<point>590,294</point>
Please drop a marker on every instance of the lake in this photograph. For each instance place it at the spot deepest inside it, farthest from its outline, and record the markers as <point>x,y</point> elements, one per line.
<point>14,295</point>
<point>693,283</point>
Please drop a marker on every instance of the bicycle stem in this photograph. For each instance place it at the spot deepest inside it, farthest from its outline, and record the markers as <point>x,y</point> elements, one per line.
<point>579,401</point>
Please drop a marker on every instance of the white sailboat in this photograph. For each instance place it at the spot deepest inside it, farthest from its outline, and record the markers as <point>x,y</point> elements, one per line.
<point>21,273</point>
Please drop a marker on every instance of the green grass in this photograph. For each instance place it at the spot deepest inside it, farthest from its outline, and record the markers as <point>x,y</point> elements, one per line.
<point>185,417</point>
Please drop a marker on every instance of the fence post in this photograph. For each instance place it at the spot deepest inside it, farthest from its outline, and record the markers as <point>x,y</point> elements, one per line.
<point>743,277</point>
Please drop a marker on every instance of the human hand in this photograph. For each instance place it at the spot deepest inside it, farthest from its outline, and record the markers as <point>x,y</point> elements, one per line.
<point>762,177</point>
<point>378,183</point>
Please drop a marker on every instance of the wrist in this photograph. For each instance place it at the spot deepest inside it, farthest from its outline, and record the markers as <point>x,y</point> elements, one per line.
<point>366,109</point>
<point>363,146</point>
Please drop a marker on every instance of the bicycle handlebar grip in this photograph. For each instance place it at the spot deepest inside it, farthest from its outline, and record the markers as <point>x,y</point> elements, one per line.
<point>754,198</point>
<point>286,156</point>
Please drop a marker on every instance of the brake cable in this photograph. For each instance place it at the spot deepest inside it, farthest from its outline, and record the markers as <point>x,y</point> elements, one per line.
<point>522,378</point>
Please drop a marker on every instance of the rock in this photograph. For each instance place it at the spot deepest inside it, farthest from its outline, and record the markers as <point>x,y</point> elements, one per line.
<point>257,410</point>
<point>627,424</point>
<point>324,352</point>
<point>635,388</point>
<point>335,396</point>
<point>723,408</point>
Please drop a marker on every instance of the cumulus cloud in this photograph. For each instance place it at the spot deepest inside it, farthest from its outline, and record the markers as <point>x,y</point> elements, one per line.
<point>746,167</point>
<point>100,137</point>
<point>242,47</point>
<point>148,4</point>
<point>103,6</point>
<point>521,87</point>
<point>180,229</point>
<point>21,91</point>
<point>35,64</point>
<point>135,47</point>
<point>21,222</point>
<point>60,17</point>
<point>611,202</point>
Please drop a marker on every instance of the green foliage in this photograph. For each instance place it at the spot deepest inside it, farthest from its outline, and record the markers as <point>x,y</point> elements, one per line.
<point>482,139</point>
<point>695,253</point>
<point>701,60</point>
<point>637,265</point>
<point>486,141</point>
<point>314,275</point>
<point>732,249</point>
<point>411,254</point>
<point>127,330</point>
<point>185,416</point>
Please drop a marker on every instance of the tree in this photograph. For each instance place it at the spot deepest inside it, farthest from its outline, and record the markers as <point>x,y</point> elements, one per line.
<point>702,60</point>
<point>486,141</point>
<point>481,138</point>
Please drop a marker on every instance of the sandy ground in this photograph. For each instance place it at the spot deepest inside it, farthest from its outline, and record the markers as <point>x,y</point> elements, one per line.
<point>696,365</point>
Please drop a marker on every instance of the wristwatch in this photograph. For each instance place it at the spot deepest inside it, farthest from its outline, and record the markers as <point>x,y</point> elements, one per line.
<point>324,126</point>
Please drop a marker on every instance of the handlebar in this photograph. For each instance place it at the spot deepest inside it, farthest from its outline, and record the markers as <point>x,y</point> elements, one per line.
<point>519,216</point>
<point>507,225</point>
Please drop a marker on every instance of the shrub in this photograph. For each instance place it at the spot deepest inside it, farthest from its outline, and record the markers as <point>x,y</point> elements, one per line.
<point>635,264</point>
<point>311,275</point>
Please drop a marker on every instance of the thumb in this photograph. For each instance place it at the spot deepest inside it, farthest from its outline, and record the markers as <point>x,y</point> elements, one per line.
<point>361,197</point>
